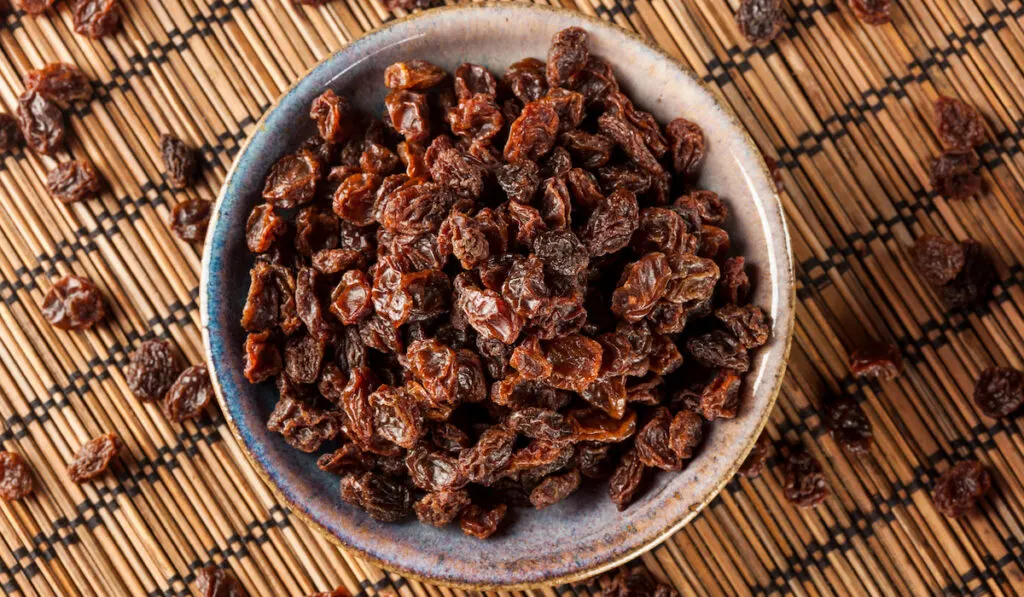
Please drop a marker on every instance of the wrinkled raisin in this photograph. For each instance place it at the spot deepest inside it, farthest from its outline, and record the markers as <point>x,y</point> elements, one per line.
<point>34,7</point>
<point>999,391</point>
<point>93,458</point>
<point>151,370</point>
<point>60,82</point>
<point>96,18</point>
<point>73,303</point>
<point>10,134</point>
<point>849,426</point>
<point>480,522</point>
<point>218,582</point>
<point>293,180</point>
<point>189,394</point>
<point>757,458</point>
<point>73,181</point>
<point>413,74</point>
<point>190,218</point>
<point>960,126</point>
<point>882,361</point>
<point>179,161</point>
<point>804,483</point>
<point>954,174</point>
<point>15,476</point>
<point>959,488</point>
<point>41,122</point>
<point>760,21</point>
<point>688,147</point>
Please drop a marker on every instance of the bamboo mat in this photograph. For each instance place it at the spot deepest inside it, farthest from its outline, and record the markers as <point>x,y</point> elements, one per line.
<point>846,109</point>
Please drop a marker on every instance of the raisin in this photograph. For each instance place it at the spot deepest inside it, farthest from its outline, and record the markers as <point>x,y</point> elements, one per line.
<point>441,508</point>
<point>480,522</point>
<point>218,582</point>
<point>719,350</point>
<point>189,394</point>
<point>151,370</point>
<point>999,391</point>
<point>688,147</point>
<point>478,119</point>
<point>41,122</point>
<point>567,56</point>
<point>485,460</point>
<point>433,471</point>
<point>804,483</point>
<point>626,479</point>
<point>746,323</point>
<point>960,126</point>
<point>734,284</point>
<point>93,458</point>
<point>881,361</point>
<point>686,433</point>
<point>757,458</point>
<point>954,174</point>
<point>872,12</point>
<point>959,272</point>
<point>849,426</point>
<point>262,358</point>
<point>630,140</point>
<point>532,135</point>
<point>937,259</point>
<point>292,180</point>
<point>569,107</point>
<point>179,161</point>
<point>720,398</point>
<point>775,171</point>
<point>355,199</point>
<point>418,75</point>
<point>96,18</point>
<point>263,227</point>
<point>654,445</point>
<point>527,79</point>
<point>190,218</point>
<point>409,114</point>
<point>959,488</point>
<point>333,116</point>
<point>34,7</point>
<point>555,488</point>
<point>396,416</point>
<point>760,21</point>
<point>15,476</point>
<point>73,303</point>
<point>642,285</point>
<point>589,151</point>
<point>592,425</point>
<point>473,79</point>
<point>61,83</point>
<point>10,134</point>
<point>612,224</point>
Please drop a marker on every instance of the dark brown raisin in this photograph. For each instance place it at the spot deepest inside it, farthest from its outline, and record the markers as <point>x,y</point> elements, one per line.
<point>626,479</point>
<point>882,361</point>
<point>15,476</point>
<point>190,218</point>
<point>96,18</point>
<point>555,488</point>
<point>93,458</point>
<point>179,161</point>
<point>999,391</point>
<point>960,126</point>
<point>760,21</point>
<point>151,370</point>
<point>441,508</point>
<point>719,350</point>
<point>189,394</point>
<point>746,323</point>
<point>41,122</point>
<point>218,582</point>
<point>849,426</point>
<point>804,482</point>
<point>954,174</point>
<point>292,180</point>
<point>959,488</point>
<point>61,83</point>
<point>480,522</point>
<point>757,458</point>
<point>73,181</point>
<point>73,303</point>
<point>10,134</point>
<point>688,147</point>
<point>872,12</point>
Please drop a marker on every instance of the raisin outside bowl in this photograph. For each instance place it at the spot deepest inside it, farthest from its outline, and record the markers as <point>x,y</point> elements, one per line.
<point>584,534</point>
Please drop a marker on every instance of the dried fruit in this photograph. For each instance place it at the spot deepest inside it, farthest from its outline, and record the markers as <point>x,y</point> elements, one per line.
<point>179,161</point>
<point>10,134</point>
<point>849,426</point>
<point>151,370</point>
<point>872,12</point>
<point>15,476</point>
<point>73,303</point>
<point>218,582</point>
<point>41,122</point>
<point>626,479</point>
<point>293,179</point>
<point>441,508</point>
<point>555,488</point>
<point>999,391</point>
<point>190,218</point>
<point>882,361</point>
<point>333,115</point>
<point>959,488</point>
<point>960,273</point>
<point>757,458</point>
<point>96,18</point>
<point>688,147</point>
<point>61,83</point>
<point>189,394</point>
<point>418,75</point>
<point>567,56</point>
<point>760,21</point>
<point>954,174</point>
<point>33,7</point>
<point>93,458</point>
<point>960,126</point>
<point>72,181</point>
<point>480,522</point>
<point>804,483</point>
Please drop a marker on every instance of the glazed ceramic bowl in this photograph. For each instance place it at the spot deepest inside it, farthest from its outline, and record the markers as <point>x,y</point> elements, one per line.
<point>584,534</point>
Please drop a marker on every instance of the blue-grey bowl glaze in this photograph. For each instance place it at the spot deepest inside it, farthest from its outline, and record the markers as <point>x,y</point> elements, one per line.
<point>584,534</point>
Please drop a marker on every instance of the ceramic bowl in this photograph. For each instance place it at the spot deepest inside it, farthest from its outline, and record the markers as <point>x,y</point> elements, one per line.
<point>582,535</point>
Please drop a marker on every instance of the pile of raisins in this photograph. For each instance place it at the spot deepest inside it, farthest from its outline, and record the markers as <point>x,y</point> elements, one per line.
<point>485,300</point>
<point>959,272</point>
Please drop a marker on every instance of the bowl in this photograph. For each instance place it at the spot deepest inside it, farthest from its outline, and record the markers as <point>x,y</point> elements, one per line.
<point>584,534</point>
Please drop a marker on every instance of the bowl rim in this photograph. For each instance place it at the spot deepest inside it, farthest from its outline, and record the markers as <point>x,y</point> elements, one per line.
<point>787,323</point>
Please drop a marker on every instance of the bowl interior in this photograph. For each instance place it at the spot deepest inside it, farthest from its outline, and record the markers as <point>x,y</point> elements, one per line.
<point>585,533</point>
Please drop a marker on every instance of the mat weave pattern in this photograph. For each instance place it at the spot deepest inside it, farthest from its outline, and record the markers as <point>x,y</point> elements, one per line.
<point>846,109</point>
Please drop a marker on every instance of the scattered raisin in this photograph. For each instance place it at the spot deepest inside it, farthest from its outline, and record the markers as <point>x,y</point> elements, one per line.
<point>849,426</point>
<point>218,582</point>
<point>804,482</point>
<point>190,218</point>
<point>179,161</point>
<point>73,303</point>
<point>189,394</point>
<point>93,458</point>
<point>34,7</point>
<point>96,18</point>
<point>960,126</point>
<point>41,122</point>
<point>882,361</point>
<point>72,181</point>
<point>417,75</point>
<point>959,488</point>
<point>61,83</point>
<point>15,476</point>
<point>872,12</point>
<point>757,458</point>
<point>959,272</point>
<point>760,21</point>
<point>151,370</point>
<point>999,391</point>
<point>954,174</point>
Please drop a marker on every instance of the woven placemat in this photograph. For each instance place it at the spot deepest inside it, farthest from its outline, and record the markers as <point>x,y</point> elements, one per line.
<point>846,109</point>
